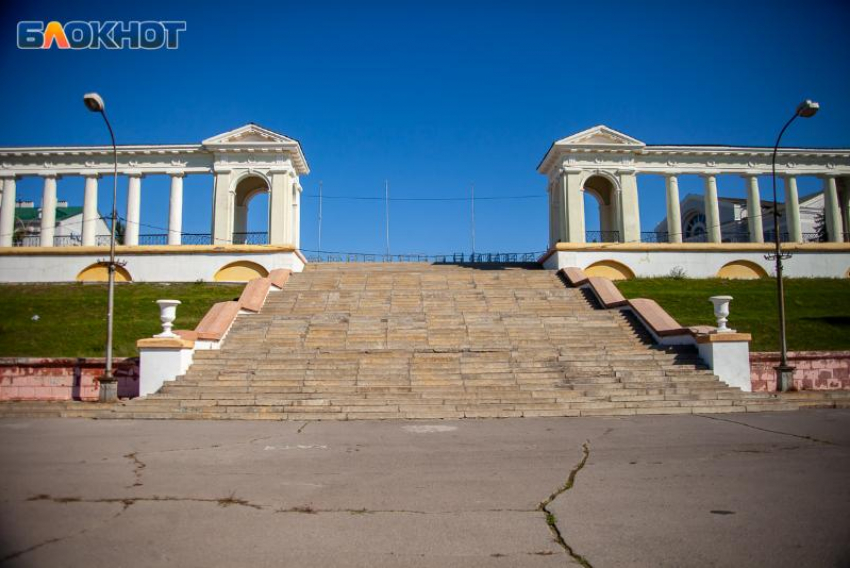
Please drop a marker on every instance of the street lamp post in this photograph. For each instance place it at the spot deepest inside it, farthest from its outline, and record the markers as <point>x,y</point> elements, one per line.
<point>784,372</point>
<point>108,391</point>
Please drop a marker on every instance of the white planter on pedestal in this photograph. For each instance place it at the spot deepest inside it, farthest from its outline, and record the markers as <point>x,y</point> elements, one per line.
<point>167,315</point>
<point>165,356</point>
<point>721,312</point>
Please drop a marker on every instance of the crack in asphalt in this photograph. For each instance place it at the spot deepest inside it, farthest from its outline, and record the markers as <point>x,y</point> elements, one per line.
<point>211,447</point>
<point>54,540</point>
<point>127,502</point>
<point>552,521</point>
<point>138,466</point>
<point>231,499</point>
<point>800,436</point>
<point>17,553</point>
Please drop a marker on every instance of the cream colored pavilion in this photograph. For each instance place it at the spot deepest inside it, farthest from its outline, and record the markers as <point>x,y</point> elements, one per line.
<point>244,162</point>
<point>605,164</point>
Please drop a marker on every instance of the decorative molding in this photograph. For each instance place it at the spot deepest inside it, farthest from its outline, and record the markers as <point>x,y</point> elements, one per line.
<point>155,159</point>
<point>577,152</point>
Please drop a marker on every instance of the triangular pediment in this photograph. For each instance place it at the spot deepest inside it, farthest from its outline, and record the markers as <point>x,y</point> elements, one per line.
<point>250,134</point>
<point>599,136</point>
<point>253,138</point>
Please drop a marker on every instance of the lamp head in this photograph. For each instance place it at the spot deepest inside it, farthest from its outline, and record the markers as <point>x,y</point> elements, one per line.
<point>94,102</point>
<point>808,108</point>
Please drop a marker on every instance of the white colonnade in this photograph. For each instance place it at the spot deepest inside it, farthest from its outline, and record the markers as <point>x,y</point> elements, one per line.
<point>274,159</point>
<point>576,163</point>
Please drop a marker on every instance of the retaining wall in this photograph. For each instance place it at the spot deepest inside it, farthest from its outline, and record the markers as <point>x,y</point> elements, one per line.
<point>63,378</point>
<point>815,370</point>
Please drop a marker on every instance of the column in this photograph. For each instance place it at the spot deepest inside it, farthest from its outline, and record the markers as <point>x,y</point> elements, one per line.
<point>175,208</point>
<point>712,209</point>
<point>240,224</point>
<point>280,207</point>
<point>755,220</point>
<point>48,210</point>
<point>134,198</point>
<point>630,215</point>
<point>553,234</point>
<point>90,214</point>
<point>618,214</point>
<point>831,212</point>
<point>296,216</point>
<point>561,209</point>
<point>845,206</point>
<point>222,213</point>
<point>674,210</point>
<point>792,210</point>
<point>573,224</point>
<point>7,212</point>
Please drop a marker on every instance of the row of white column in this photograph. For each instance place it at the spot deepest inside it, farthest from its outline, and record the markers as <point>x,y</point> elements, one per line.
<point>755,224</point>
<point>90,211</point>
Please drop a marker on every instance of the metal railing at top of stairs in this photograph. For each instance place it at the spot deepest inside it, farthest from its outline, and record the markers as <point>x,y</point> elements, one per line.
<point>454,258</point>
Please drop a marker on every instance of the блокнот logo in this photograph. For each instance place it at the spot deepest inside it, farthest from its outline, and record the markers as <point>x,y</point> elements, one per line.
<point>96,35</point>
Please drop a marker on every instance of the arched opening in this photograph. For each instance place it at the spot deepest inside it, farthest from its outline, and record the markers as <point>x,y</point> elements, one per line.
<point>251,211</point>
<point>694,228</point>
<point>99,272</point>
<point>600,206</point>
<point>240,271</point>
<point>610,269</point>
<point>742,270</point>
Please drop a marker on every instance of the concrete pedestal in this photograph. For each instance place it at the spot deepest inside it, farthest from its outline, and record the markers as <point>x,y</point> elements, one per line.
<point>162,360</point>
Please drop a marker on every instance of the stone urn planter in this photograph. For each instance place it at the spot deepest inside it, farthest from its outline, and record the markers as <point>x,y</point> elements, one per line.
<point>167,315</point>
<point>721,312</point>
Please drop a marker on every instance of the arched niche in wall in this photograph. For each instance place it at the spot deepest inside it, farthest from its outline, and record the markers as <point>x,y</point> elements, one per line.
<point>240,271</point>
<point>99,272</point>
<point>742,270</point>
<point>610,269</point>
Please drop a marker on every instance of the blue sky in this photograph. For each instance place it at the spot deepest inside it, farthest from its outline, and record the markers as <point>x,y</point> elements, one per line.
<point>433,97</point>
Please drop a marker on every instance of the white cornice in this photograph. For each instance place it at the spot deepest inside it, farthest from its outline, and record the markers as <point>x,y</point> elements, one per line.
<point>155,158</point>
<point>682,160</point>
<point>150,149</point>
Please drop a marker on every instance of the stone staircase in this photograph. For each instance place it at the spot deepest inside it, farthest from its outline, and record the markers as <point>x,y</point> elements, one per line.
<point>357,341</point>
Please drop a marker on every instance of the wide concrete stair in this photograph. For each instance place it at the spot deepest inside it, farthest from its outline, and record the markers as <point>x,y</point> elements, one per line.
<point>360,341</point>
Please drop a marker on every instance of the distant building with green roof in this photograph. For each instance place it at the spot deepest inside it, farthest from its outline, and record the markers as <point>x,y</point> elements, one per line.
<point>69,224</point>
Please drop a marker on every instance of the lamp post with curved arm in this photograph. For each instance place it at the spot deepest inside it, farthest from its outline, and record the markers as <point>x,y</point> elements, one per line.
<point>784,372</point>
<point>108,391</point>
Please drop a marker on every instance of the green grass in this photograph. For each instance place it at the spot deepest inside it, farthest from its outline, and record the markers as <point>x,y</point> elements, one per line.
<point>817,309</point>
<point>72,317</point>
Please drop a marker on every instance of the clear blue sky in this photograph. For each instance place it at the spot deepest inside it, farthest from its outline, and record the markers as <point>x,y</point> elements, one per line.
<point>433,96</point>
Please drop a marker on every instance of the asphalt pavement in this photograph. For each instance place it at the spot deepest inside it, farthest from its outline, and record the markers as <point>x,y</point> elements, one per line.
<point>770,489</point>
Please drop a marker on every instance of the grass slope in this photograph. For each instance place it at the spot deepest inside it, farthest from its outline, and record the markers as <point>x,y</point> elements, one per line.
<point>72,317</point>
<point>817,309</point>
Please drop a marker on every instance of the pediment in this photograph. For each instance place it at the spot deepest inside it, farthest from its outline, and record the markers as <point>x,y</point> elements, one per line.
<point>600,136</point>
<point>250,134</point>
